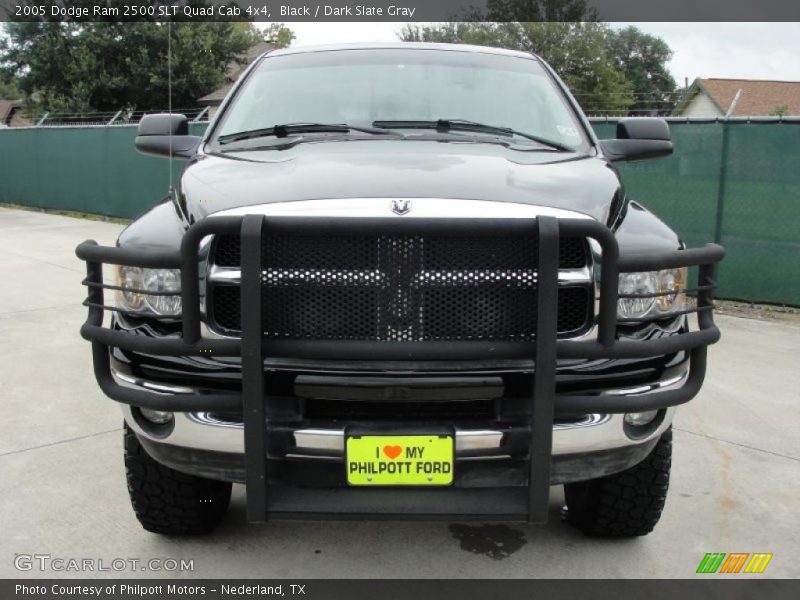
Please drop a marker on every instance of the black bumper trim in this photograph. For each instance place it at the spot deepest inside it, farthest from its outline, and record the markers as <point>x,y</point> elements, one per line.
<point>388,389</point>
<point>323,473</point>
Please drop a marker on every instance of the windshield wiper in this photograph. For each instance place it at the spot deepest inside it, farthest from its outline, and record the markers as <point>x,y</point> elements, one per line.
<point>282,131</point>
<point>445,125</point>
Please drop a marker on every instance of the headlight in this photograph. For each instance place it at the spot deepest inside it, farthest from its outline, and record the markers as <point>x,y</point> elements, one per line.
<point>138,281</point>
<point>669,283</point>
<point>130,278</point>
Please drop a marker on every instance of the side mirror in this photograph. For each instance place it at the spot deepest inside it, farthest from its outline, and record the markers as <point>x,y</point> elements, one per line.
<point>166,135</point>
<point>638,138</point>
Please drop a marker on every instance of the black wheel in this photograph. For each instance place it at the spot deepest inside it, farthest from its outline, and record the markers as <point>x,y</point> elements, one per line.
<point>168,501</point>
<point>624,504</point>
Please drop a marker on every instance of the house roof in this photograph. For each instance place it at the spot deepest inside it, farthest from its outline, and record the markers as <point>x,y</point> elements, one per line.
<point>217,95</point>
<point>6,108</point>
<point>235,70</point>
<point>758,97</point>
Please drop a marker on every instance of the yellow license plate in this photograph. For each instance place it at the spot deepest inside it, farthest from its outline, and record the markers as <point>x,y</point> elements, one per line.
<point>399,460</point>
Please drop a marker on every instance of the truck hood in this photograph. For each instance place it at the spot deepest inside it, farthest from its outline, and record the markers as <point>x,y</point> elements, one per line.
<point>399,169</point>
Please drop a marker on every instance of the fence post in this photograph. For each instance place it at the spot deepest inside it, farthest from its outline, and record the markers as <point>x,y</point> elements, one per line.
<point>723,178</point>
<point>200,116</point>
<point>114,118</point>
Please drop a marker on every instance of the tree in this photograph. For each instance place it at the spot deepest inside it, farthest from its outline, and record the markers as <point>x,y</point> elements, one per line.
<point>107,66</point>
<point>576,50</point>
<point>279,35</point>
<point>9,90</point>
<point>537,11</point>
<point>782,110</point>
<point>643,59</point>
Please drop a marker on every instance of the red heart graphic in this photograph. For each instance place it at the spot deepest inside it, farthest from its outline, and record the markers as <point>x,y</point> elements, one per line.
<point>392,451</point>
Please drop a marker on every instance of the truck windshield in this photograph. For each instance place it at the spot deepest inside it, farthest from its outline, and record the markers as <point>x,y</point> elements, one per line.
<point>381,86</point>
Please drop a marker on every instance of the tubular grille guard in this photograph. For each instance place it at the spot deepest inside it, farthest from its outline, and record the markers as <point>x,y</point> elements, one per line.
<point>545,348</point>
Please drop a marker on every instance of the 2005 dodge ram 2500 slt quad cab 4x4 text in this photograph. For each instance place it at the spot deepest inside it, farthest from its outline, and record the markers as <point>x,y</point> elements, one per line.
<point>399,281</point>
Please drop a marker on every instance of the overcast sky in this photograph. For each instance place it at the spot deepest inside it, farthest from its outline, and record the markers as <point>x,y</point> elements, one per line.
<point>732,50</point>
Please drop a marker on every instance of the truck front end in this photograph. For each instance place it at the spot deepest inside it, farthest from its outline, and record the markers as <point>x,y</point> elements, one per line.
<point>428,318</point>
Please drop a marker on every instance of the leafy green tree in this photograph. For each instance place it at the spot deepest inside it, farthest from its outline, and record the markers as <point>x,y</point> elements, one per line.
<point>109,65</point>
<point>9,90</point>
<point>576,50</point>
<point>781,110</point>
<point>279,35</point>
<point>643,59</point>
<point>537,10</point>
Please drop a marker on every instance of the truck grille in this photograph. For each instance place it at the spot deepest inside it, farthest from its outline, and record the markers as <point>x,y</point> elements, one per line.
<point>399,288</point>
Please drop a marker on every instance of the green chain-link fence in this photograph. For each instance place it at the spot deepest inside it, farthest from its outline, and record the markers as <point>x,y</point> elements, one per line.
<point>91,169</point>
<point>735,182</point>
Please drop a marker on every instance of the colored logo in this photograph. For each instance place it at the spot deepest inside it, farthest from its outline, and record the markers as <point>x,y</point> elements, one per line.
<point>735,562</point>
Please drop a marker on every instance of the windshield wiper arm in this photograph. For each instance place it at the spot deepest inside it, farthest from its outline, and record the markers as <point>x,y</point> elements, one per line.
<point>445,125</point>
<point>282,131</point>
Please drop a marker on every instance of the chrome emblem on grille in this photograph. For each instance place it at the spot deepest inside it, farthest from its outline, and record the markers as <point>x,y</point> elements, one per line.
<point>401,207</point>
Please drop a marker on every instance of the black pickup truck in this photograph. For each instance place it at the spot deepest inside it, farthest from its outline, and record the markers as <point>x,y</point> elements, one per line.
<point>399,281</point>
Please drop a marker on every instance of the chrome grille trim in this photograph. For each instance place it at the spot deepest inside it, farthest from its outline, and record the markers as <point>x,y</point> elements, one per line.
<point>428,207</point>
<point>233,275</point>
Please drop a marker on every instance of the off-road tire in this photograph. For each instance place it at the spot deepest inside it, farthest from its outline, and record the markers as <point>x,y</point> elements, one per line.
<point>625,504</point>
<point>168,501</point>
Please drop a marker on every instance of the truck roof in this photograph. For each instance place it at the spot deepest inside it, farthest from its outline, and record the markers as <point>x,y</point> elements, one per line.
<point>401,46</point>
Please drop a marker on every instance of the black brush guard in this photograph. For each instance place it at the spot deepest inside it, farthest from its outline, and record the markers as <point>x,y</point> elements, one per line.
<point>265,500</point>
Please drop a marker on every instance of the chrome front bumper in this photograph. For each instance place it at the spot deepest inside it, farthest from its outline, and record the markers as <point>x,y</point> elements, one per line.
<point>590,434</point>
